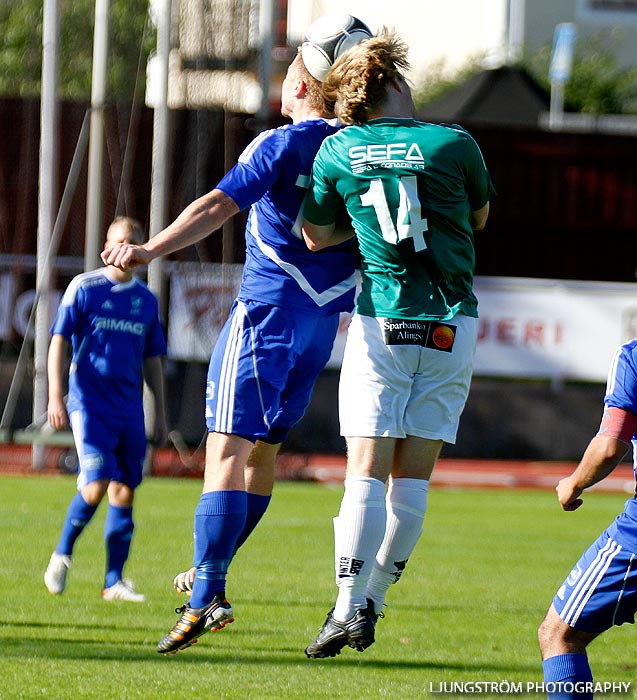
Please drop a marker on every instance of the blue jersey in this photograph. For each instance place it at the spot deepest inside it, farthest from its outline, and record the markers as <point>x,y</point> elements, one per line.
<point>621,385</point>
<point>272,177</point>
<point>112,327</point>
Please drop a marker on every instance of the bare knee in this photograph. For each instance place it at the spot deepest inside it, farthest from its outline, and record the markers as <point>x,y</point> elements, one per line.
<point>260,468</point>
<point>549,632</point>
<point>94,491</point>
<point>555,637</point>
<point>120,495</point>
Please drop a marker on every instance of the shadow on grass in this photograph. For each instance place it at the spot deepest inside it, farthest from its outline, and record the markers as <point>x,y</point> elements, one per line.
<point>95,649</point>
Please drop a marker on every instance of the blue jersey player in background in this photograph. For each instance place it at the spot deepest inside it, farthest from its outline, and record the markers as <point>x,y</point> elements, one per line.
<point>601,590</point>
<point>111,320</point>
<point>278,337</point>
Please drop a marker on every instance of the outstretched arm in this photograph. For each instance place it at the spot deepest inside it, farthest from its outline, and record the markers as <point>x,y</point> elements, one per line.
<point>604,452</point>
<point>198,220</point>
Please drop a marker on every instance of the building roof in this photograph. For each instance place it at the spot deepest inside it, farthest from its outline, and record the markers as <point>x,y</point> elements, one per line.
<point>505,96</point>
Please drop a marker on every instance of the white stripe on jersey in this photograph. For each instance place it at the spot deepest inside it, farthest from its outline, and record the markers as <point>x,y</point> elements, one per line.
<point>319,298</point>
<point>251,147</point>
<point>225,397</point>
<point>612,371</point>
<point>588,582</point>
<point>84,278</point>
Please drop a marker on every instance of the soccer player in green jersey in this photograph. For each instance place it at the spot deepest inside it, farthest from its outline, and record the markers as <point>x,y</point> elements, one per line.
<point>415,193</point>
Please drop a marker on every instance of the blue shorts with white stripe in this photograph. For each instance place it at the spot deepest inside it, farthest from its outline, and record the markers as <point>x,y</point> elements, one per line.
<point>263,368</point>
<point>601,590</point>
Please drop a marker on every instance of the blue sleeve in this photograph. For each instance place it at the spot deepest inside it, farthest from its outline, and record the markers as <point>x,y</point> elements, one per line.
<point>257,169</point>
<point>621,385</point>
<point>67,314</point>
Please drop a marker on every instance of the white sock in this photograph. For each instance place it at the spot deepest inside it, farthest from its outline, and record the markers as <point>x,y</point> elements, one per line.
<point>358,533</point>
<point>406,508</point>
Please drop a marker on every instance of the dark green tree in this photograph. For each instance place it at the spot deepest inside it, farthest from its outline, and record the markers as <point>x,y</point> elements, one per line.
<point>131,39</point>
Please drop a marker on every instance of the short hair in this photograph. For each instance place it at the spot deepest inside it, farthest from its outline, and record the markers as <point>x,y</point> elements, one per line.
<point>313,89</point>
<point>358,80</point>
<point>133,226</point>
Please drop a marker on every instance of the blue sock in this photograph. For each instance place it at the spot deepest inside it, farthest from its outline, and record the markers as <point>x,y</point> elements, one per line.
<point>78,516</point>
<point>257,505</point>
<point>118,533</point>
<point>569,673</point>
<point>219,520</point>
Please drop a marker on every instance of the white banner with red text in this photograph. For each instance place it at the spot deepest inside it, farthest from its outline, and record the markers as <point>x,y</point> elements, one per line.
<point>529,328</point>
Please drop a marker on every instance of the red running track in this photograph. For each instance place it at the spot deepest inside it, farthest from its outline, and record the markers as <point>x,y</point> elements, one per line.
<point>460,473</point>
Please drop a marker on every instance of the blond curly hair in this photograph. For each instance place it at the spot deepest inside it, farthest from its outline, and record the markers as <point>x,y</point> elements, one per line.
<point>358,80</point>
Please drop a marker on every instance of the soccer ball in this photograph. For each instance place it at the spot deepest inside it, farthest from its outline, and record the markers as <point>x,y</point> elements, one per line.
<point>328,38</point>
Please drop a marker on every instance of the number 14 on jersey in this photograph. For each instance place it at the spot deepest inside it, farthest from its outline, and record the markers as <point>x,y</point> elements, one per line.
<point>409,221</point>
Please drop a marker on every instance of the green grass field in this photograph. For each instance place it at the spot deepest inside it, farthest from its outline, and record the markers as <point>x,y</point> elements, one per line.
<point>467,608</point>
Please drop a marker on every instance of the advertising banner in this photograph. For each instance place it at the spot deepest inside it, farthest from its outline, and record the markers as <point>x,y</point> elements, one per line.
<point>552,329</point>
<point>529,328</point>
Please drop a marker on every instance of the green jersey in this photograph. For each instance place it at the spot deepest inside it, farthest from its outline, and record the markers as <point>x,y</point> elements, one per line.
<point>409,188</point>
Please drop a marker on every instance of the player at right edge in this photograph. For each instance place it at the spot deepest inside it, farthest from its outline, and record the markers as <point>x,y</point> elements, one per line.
<point>601,590</point>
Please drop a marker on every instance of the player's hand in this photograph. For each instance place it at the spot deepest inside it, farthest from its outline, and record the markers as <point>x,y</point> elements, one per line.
<point>57,414</point>
<point>125,256</point>
<point>568,494</point>
<point>182,583</point>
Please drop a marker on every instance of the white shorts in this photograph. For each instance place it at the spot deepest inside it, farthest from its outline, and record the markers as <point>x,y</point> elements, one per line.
<point>405,389</point>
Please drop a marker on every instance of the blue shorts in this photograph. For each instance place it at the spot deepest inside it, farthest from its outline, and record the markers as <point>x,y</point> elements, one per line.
<point>601,590</point>
<point>263,368</point>
<point>109,447</point>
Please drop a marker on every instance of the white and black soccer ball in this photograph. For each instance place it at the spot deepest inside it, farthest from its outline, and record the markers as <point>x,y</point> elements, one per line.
<point>328,38</point>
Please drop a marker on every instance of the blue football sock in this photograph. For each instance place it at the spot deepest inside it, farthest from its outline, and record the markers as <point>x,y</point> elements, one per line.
<point>78,516</point>
<point>257,505</point>
<point>565,674</point>
<point>118,533</point>
<point>220,518</point>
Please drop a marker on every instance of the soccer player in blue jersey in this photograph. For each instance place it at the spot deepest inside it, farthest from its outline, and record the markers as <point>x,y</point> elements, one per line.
<point>111,320</point>
<point>601,590</point>
<point>277,339</point>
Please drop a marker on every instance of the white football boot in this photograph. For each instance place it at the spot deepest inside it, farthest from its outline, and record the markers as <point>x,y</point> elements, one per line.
<point>55,574</point>
<point>123,590</point>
